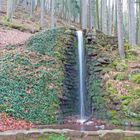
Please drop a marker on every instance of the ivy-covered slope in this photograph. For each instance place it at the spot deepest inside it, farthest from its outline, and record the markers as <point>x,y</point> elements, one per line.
<point>31,77</point>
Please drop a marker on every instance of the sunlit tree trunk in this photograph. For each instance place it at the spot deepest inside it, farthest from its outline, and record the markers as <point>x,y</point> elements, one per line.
<point>120,28</point>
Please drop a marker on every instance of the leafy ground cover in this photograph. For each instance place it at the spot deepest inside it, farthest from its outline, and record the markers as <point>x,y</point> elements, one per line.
<point>31,78</point>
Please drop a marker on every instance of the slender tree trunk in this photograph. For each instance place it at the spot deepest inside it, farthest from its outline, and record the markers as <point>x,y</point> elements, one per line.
<point>1,5</point>
<point>84,5</point>
<point>104,16</point>
<point>109,18</point>
<point>92,14</point>
<point>10,5</point>
<point>97,14</point>
<point>138,23</point>
<point>132,23</point>
<point>42,13</point>
<point>31,8</point>
<point>139,27</point>
<point>52,14</point>
<point>115,27</point>
<point>120,28</point>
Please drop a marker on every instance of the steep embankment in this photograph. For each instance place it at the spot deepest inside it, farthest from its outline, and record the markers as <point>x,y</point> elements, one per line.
<point>32,75</point>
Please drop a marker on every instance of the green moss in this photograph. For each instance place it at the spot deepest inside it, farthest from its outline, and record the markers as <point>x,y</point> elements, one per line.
<point>131,54</point>
<point>126,46</point>
<point>135,78</point>
<point>110,89</point>
<point>112,114</point>
<point>134,106</point>
<point>119,76</point>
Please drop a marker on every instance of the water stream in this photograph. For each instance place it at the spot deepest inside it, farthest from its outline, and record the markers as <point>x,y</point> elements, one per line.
<point>81,65</point>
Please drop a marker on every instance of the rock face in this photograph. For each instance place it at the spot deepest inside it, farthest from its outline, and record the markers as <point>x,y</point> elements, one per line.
<point>99,56</point>
<point>70,83</point>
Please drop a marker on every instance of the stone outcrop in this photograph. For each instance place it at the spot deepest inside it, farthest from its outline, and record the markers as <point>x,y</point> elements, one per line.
<point>99,55</point>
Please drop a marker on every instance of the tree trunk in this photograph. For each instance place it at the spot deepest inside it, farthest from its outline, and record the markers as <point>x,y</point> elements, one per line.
<point>139,27</point>
<point>1,5</point>
<point>42,13</point>
<point>132,23</point>
<point>97,14</point>
<point>104,16</point>
<point>109,18</point>
<point>52,13</point>
<point>120,29</point>
<point>10,9</point>
<point>138,23</point>
<point>31,7</point>
<point>84,5</point>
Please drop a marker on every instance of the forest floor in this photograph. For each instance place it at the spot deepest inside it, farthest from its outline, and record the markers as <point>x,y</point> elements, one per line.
<point>12,37</point>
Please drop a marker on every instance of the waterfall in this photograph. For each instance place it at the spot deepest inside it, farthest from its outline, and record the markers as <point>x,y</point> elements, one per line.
<point>81,62</point>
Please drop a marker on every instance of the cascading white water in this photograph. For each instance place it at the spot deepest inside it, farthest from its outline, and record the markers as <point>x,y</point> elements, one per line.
<point>81,75</point>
